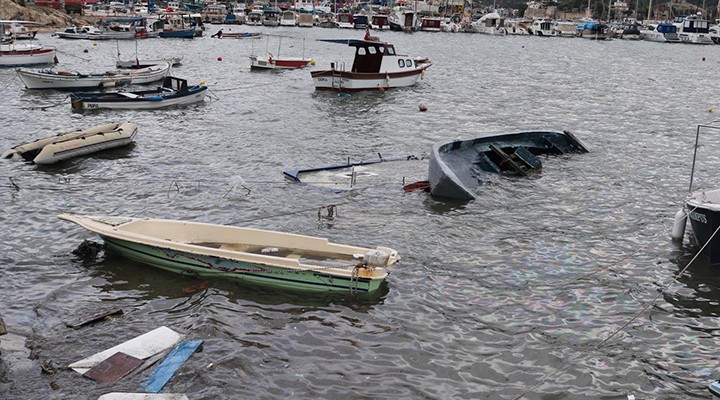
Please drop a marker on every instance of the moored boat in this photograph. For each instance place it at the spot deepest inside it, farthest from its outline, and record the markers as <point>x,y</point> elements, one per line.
<point>15,55</point>
<point>270,62</point>
<point>376,66</point>
<point>457,167</point>
<point>244,254</point>
<point>237,35</point>
<point>51,79</point>
<point>703,210</point>
<point>76,143</point>
<point>77,32</point>
<point>694,29</point>
<point>174,92</point>
<point>140,63</point>
<point>664,33</point>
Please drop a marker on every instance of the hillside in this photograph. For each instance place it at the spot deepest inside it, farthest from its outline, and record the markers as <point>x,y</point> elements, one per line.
<point>51,17</point>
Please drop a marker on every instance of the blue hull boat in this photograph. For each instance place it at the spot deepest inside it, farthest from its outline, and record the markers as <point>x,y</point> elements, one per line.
<point>457,167</point>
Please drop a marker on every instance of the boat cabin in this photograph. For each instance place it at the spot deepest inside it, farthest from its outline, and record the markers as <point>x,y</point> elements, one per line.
<point>430,24</point>
<point>666,28</point>
<point>176,84</point>
<point>695,24</point>
<point>379,21</point>
<point>360,21</point>
<point>376,57</point>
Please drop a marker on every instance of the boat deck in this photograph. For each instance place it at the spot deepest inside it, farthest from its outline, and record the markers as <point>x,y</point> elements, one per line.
<point>322,259</point>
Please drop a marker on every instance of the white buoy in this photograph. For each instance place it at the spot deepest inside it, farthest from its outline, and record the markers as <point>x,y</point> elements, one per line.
<point>678,230</point>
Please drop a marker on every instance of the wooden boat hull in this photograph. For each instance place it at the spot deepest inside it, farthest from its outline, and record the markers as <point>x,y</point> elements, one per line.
<point>353,81</point>
<point>257,62</point>
<point>48,79</point>
<point>144,63</point>
<point>703,211</point>
<point>20,57</point>
<point>244,254</point>
<point>456,167</point>
<point>73,144</point>
<point>150,100</point>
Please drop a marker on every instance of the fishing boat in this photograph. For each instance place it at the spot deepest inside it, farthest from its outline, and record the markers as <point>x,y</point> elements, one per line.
<point>15,55</point>
<point>52,79</point>
<point>702,209</point>
<point>174,92</point>
<point>278,61</point>
<point>457,168</point>
<point>376,67</point>
<point>140,63</point>
<point>237,35</point>
<point>77,32</point>
<point>244,254</point>
<point>68,145</point>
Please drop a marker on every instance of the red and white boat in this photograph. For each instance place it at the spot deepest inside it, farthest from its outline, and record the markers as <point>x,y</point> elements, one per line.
<point>376,67</point>
<point>12,55</point>
<point>270,62</point>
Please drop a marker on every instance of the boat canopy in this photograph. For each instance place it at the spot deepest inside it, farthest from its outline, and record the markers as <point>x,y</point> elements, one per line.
<point>667,28</point>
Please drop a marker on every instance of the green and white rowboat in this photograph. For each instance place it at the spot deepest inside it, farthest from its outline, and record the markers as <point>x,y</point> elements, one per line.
<point>246,254</point>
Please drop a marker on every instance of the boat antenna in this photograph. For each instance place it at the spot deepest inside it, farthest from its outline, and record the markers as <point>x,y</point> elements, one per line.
<point>697,139</point>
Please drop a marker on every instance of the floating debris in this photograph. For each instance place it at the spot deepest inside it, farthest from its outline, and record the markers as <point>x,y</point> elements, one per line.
<point>165,371</point>
<point>98,315</point>
<point>113,368</point>
<point>142,347</point>
<point>142,396</point>
<point>3,328</point>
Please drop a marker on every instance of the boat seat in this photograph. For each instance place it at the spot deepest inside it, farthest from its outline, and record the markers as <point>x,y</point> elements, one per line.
<point>526,157</point>
<point>506,163</point>
<point>486,164</point>
<point>551,147</point>
<point>128,95</point>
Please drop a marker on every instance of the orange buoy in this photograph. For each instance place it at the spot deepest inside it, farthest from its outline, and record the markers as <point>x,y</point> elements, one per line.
<point>219,58</point>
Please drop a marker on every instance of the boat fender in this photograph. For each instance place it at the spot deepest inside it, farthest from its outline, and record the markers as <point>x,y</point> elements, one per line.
<point>376,258</point>
<point>678,229</point>
<point>154,98</point>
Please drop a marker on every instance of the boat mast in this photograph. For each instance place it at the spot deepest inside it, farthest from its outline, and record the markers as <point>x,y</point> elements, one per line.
<point>649,10</point>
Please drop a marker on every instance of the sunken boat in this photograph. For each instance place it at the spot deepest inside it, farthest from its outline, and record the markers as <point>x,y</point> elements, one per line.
<point>457,167</point>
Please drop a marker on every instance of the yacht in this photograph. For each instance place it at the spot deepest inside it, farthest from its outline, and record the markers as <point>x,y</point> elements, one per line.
<point>694,29</point>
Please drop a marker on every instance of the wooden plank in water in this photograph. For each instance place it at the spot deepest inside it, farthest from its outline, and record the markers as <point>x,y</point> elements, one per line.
<point>113,368</point>
<point>141,347</point>
<point>97,315</point>
<point>164,372</point>
<point>143,396</point>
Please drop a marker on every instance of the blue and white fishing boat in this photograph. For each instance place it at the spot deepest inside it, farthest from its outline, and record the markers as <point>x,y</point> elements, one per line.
<point>243,254</point>
<point>457,168</point>
<point>173,92</point>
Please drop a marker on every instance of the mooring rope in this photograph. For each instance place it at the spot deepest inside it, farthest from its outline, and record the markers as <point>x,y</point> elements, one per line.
<point>644,308</point>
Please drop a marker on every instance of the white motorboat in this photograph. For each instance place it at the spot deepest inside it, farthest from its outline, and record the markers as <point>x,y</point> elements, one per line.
<point>288,18</point>
<point>20,31</point>
<point>77,32</point>
<point>663,33</point>
<point>376,67</point>
<point>491,24</point>
<point>694,30</point>
<point>542,27</point>
<point>51,79</point>
<point>565,29</point>
<point>76,143</point>
<point>14,55</point>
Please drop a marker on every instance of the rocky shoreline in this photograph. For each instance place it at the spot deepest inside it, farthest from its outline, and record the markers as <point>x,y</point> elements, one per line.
<point>51,18</point>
